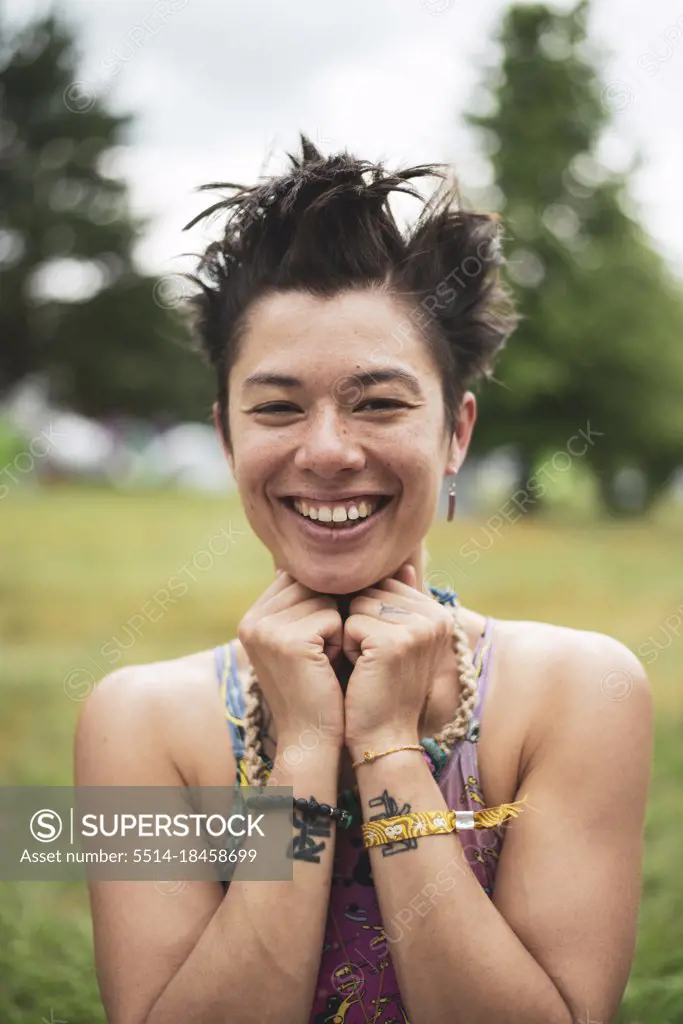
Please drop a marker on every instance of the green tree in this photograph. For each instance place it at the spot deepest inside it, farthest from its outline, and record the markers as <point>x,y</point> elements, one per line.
<point>602,315</point>
<point>123,347</point>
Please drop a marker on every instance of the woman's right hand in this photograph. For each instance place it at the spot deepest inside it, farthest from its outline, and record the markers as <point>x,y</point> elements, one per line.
<point>291,635</point>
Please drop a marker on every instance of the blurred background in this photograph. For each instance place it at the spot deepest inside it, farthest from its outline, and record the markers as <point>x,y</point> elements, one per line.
<point>122,539</point>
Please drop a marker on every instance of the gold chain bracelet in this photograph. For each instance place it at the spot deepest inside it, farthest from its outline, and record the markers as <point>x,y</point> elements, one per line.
<point>371,755</point>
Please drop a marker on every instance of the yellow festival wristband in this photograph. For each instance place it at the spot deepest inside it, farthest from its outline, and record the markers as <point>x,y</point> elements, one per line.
<point>433,823</point>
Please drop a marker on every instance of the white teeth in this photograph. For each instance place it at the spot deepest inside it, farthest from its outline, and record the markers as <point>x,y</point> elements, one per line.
<point>336,514</point>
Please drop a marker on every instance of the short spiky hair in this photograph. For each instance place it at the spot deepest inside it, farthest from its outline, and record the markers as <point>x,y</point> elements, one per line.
<point>327,227</point>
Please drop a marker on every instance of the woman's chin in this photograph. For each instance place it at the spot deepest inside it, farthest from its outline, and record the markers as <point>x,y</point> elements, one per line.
<point>326,582</point>
<point>336,588</point>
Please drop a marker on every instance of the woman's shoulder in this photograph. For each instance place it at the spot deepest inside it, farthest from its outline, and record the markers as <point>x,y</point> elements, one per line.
<point>547,674</point>
<point>541,652</point>
<point>552,650</point>
<point>157,688</point>
<point>161,712</point>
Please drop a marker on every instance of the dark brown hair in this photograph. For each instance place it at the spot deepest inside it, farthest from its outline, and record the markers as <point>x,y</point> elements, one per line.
<point>327,227</point>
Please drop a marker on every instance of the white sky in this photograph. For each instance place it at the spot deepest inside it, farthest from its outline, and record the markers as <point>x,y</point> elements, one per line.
<point>221,90</point>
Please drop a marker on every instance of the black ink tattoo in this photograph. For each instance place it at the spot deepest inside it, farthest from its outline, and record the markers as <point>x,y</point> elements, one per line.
<point>385,609</point>
<point>304,846</point>
<point>390,809</point>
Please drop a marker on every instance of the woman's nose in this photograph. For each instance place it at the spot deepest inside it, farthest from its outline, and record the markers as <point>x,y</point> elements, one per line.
<point>328,444</point>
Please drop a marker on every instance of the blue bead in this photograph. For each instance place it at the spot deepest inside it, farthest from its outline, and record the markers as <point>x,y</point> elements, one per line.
<point>473,731</point>
<point>438,756</point>
<point>444,595</point>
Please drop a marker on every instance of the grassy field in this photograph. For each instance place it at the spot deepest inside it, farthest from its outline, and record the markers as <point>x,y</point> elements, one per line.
<point>91,580</point>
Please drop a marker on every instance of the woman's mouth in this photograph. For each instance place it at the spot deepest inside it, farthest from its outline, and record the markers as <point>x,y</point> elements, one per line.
<point>339,520</point>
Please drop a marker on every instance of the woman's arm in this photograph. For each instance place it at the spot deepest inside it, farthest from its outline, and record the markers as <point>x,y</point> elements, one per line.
<point>252,956</point>
<point>556,944</point>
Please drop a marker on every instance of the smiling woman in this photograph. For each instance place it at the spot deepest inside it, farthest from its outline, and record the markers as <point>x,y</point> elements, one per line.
<point>346,353</point>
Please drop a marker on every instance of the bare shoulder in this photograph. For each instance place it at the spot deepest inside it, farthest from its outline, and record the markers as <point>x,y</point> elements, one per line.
<point>549,646</point>
<point>157,724</point>
<point>558,674</point>
<point>160,718</point>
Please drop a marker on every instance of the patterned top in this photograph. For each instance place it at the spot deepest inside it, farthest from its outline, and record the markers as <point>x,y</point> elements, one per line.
<point>356,980</point>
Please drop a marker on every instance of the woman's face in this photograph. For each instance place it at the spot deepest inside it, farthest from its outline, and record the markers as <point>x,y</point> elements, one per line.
<point>318,433</point>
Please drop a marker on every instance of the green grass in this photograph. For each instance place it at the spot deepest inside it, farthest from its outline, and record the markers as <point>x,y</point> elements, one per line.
<point>78,565</point>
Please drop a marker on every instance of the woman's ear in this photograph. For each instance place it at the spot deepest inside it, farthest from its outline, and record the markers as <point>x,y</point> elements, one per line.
<point>217,422</point>
<point>462,435</point>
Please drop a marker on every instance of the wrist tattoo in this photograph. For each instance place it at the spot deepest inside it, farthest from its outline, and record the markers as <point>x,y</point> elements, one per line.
<point>390,808</point>
<point>310,828</point>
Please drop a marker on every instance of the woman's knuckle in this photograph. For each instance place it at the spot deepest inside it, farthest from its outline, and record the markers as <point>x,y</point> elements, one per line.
<point>244,631</point>
<point>261,634</point>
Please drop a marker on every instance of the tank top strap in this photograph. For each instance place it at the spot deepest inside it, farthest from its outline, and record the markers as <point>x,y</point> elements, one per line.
<point>482,666</point>
<point>232,695</point>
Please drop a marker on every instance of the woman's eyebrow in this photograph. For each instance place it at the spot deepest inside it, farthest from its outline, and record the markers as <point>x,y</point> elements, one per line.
<point>365,380</point>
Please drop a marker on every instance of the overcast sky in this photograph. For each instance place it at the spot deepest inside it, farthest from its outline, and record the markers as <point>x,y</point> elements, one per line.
<point>221,89</point>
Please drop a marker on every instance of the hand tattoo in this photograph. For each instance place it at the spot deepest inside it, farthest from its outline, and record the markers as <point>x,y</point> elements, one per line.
<point>386,609</point>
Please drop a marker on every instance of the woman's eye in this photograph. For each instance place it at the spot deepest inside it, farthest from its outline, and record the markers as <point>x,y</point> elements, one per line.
<point>384,403</point>
<point>276,407</point>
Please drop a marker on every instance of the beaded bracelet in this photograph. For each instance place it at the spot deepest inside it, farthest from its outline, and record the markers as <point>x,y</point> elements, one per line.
<point>432,823</point>
<point>326,810</point>
<point>312,806</point>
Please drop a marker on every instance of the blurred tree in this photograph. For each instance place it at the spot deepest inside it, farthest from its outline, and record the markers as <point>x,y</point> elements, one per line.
<point>600,339</point>
<point>120,346</point>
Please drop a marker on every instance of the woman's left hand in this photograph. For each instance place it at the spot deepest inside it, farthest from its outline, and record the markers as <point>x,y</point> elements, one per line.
<point>396,637</point>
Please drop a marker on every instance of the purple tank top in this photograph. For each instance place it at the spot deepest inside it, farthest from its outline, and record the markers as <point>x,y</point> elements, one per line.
<point>356,980</point>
